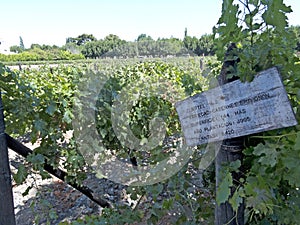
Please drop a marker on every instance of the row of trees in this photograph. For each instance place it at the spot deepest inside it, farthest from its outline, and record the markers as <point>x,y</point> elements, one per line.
<point>38,52</point>
<point>89,47</point>
<point>143,46</point>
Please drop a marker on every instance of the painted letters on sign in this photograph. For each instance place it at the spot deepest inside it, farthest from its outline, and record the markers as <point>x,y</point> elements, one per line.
<point>236,109</point>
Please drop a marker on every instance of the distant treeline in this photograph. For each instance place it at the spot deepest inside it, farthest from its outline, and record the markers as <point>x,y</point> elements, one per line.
<point>86,46</point>
<point>144,46</point>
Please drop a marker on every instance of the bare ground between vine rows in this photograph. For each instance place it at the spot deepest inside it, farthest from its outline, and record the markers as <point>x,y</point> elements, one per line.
<point>54,201</point>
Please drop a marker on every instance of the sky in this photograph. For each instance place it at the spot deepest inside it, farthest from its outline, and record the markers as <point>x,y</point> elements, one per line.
<point>52,21</point>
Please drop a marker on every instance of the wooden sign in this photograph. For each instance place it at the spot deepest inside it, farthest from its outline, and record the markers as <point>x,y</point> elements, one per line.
<point>236,109</point>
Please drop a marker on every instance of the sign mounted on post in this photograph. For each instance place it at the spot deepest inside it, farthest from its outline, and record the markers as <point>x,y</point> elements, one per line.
<point>236,109</point>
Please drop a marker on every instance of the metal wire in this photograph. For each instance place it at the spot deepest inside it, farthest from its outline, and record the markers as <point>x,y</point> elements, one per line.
<point>231,148</point>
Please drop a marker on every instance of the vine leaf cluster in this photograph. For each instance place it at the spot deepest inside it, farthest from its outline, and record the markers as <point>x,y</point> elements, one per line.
<point>270,187</point>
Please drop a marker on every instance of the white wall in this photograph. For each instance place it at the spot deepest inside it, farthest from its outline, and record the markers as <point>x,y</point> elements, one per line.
<point>4,47</point>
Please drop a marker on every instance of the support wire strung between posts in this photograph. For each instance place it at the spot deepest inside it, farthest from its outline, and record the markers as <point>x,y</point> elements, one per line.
<point>7,216</point>
<point>24,151</point>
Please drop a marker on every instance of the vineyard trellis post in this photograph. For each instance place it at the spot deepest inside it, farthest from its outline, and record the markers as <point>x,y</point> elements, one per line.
<point>7,216</point>
<point>230,151</point>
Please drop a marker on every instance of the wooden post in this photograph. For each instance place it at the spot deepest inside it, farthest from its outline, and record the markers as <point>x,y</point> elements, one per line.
<point>240,108</point>
<point>7,216</point>
<point>231,150</point>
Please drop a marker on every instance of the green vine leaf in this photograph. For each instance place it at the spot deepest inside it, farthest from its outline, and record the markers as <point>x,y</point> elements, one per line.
<point>297,142</point>
<point>236,200</point>
<point>223,191</point>
<point>51,109</point>
<point>21,174</point>
<point>268,154</point>
<point>275,14</point>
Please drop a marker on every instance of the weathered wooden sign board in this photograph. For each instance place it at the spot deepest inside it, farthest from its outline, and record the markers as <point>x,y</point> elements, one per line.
<point>236,109</point>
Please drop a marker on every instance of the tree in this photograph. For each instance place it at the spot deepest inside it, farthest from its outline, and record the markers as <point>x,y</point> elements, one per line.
<point>144,37</point>
<point>111,42</point>
<point>84,38</point>
<point>35,46</point>
<point>81,39</point>
<point>16,49</point>
<point>169,46</point>
<point>90,47</point>
<point>190,43</point>
<point>22,44</point>
<point>94,49</point>
<point>71,40</point>
<point>206,45</point>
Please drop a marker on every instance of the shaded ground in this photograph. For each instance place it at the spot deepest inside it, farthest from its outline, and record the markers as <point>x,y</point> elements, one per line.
<point>53,201</point>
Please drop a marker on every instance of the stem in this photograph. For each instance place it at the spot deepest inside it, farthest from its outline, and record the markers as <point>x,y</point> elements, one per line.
<point>192,208</point>
<point>233,218</point>
<point>138,202</point>
<point>273,136</point>
<point>60,174</point>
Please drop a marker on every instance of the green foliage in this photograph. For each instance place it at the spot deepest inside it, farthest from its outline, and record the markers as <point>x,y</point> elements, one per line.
<point>206,45</point>
<point>37,54</point>
<point>296,30</point>
<point>190,43</point>
<point>202,46</point>
<point>110,216</point>
<point>144,46</point>
<point>259,30</point>
<point>97,48</point>
<point>21,175</point>
<point>81,39</point>
<point>22,47</point>
<point>224,189</point>
<point>178,196</point>
<point>144,37</point>
<point>16,49</point>
<point>40,102</point>
<point>271,185</point>
<point>139,80</point>
<point>87,46</point>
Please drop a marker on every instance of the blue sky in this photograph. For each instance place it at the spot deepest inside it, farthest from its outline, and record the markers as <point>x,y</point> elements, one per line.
<point>51,22</point>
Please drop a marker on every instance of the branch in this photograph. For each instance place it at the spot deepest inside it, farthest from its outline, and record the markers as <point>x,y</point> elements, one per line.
<point>60,174</point>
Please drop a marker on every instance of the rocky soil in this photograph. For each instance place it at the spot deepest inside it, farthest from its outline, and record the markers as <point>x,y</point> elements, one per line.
<point>52,201</point>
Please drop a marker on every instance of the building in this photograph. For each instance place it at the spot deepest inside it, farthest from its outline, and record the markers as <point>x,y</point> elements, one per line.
<point>4,47</point>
